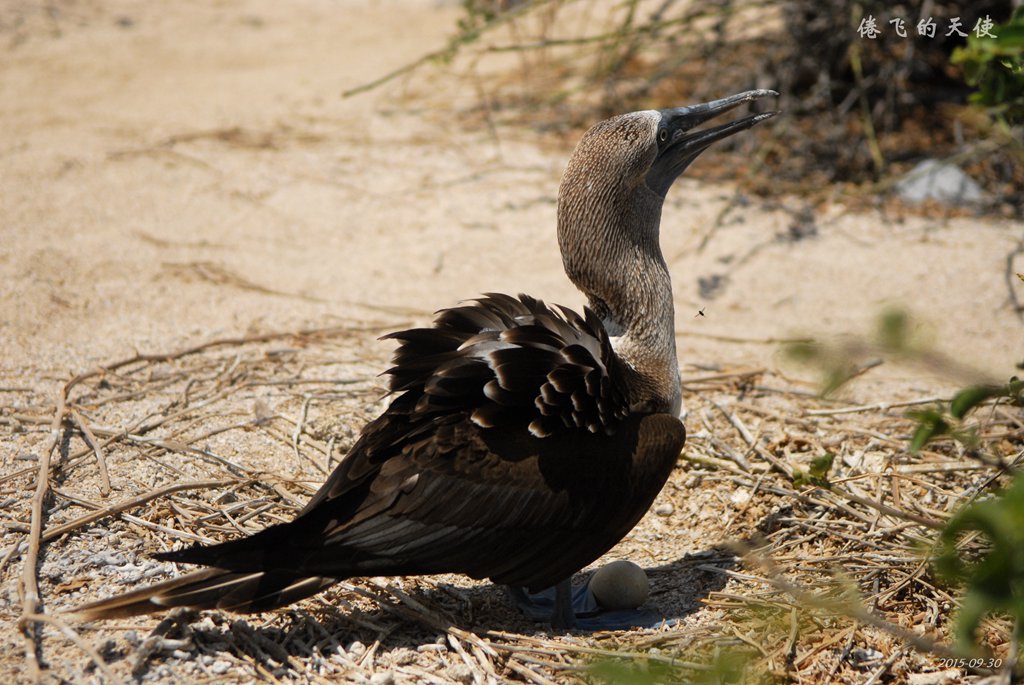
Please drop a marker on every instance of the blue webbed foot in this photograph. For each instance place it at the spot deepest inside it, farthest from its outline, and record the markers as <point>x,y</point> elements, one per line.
<point>583,611</point>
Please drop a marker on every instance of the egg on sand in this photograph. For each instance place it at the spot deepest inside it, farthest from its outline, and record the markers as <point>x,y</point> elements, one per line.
<point>620,585</point>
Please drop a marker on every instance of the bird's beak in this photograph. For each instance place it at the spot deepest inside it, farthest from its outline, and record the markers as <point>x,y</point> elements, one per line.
<point>679,144</point>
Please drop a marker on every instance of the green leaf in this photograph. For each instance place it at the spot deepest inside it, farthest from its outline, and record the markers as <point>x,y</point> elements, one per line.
<point>1015,390</point>
<point>624,673</point>
<point>817,474</point>
<point>994,65</point>
<point>930,425</point>
<point>894,330</point>
<point>820,466</point>
<point>994,579</point>
<point>969,398</point>
<point>804,351</point>
<point>973,608</point>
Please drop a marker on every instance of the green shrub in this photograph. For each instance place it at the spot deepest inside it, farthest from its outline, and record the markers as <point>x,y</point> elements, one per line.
<point>995,66</point>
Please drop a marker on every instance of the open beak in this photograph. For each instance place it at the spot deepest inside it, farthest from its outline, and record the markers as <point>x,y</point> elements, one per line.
<point>679,144</point>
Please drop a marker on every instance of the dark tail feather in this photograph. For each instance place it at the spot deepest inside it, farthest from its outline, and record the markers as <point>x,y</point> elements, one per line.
<point>263,550</point>
<point>210,588</point>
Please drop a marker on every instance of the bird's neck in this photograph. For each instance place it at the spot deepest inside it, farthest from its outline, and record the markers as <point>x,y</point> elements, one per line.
<point>611,252</point>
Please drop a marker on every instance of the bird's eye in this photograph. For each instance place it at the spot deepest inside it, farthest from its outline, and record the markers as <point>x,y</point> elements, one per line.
<point>663,135</point>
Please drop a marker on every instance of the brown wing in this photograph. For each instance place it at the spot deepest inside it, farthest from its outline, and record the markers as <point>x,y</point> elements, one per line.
<point>492,503</point>
<point>502,362</point>
<point>509,453</point>
<point>532,517</point>
<point>513,361</point>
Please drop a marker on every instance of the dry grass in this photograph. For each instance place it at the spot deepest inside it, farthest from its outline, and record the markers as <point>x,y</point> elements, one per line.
<point>805,584</point>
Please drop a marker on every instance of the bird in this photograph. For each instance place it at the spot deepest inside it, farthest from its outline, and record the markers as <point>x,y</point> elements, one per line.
<point>522,441</point>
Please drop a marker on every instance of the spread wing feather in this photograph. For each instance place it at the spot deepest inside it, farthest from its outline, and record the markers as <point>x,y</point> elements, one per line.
<point>513,360</point>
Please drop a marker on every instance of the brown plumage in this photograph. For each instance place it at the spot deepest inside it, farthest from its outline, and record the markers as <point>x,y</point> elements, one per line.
<point>524,441</point>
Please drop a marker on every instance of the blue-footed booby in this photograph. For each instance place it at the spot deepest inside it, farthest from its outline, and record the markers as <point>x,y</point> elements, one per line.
<point>523,441</point>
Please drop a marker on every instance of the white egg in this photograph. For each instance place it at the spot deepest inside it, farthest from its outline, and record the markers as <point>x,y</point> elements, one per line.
<point>620,585</point>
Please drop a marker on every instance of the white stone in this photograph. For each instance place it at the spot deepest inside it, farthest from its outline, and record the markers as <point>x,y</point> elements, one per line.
<point>934,677</point>
<point>220,667</point>
<point>739,497</point>
<point>936,180</point>
<point>382,678</point>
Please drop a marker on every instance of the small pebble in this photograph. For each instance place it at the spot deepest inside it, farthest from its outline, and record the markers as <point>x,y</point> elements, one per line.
<point>664,509</point>
<point>740,496</point>
<point>403,656</point>
<point>861,657</point>
<point>220,667</point>
<point>382,678</point>
<point>205,623</point>
<point>460,673</point>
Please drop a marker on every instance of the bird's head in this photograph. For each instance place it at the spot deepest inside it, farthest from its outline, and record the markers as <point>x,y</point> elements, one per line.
<point>613,189</point>
<point>648,150</point>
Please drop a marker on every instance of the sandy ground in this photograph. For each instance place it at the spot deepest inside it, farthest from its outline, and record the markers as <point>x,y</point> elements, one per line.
<point>175,172</point>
